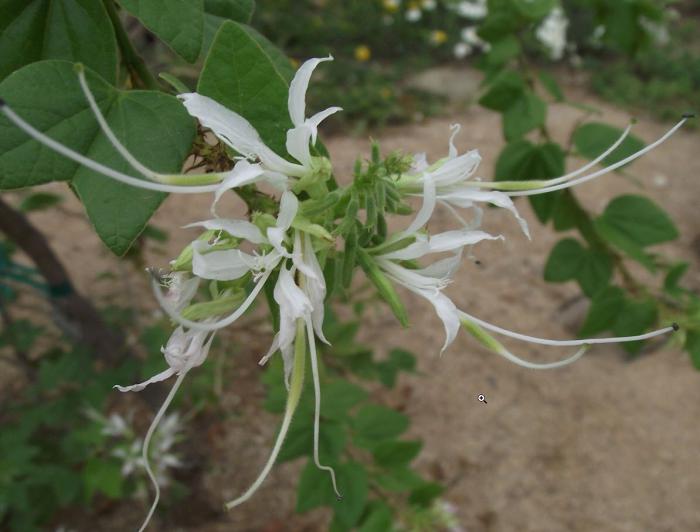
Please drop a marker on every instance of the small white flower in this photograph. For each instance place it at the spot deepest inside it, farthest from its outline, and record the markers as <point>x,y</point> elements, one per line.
<point>474,9</point>
<point>462,50</point>
<point>414,14</point>
<point>429,5</point>
<point>552,33</point>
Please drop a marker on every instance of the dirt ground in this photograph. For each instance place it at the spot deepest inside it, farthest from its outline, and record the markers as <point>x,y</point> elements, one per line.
<point>604,444</point>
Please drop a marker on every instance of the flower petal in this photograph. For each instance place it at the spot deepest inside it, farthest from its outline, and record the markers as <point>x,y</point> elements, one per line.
<point>223,265</point>
<point>457,169</point>
<point>426,210</point>
<point>451,240</point>
<point>297,89</point>
<point>235,228</point>
<point>243,173</point>
<point>315,289</point>
<point>298,144</point>
<point>319,117</point>
<point>163,375</point>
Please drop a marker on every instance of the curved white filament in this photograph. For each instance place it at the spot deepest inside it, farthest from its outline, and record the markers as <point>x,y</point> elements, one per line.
<point>317,409</point>
<point>545,365</point>
<point>100,168</point>
<point>147,442</point>
<point>562,343</point>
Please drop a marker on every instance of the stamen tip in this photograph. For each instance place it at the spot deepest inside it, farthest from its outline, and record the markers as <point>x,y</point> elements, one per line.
<point>339,497</point>
<point>675,326</point>
<point>634,120</point>
<point>79,68</point>
<point>689,115</point>
<point>2,103</point>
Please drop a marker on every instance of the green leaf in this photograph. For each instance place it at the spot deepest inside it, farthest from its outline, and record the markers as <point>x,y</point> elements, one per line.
<point>103,476</point>
<point>299,441</point>
<point>564,261</point>
<point>425,495</point>
<point>550,83</point>
<point>639,220</point>
<point>526,113</point>
<point>340,396</point>
<point>398,360</point>
<point>603,312</point>
<point>399,480</point>
<point>673,277</point>
<point>379,519</point>
<point>178,23</point>
<point>692,345</point>
<point>523,160</point>
<point>504,90</point>
<point>354,487</point>
<point>241,75</point>
<point>375,423</point>
<point>74,30</point>
<point>154,126</point>
<point>39,201</point>
<point>503,50</point>
<point>315,488</point>
<point>594,138</point>
<point>570,260</point>
<point>396,453</point>
<point>636,317</point>
<point>534,9</point>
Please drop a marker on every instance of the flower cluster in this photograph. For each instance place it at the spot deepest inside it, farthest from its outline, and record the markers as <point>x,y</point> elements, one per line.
<point>286,249</point>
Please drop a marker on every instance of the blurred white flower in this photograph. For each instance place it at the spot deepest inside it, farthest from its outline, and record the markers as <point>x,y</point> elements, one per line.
<point>552,33</point>
<point>462,50</point>
<point>657,31</point>
<point>413,14</point>
<point>472,9</point>
<point>429,5</point>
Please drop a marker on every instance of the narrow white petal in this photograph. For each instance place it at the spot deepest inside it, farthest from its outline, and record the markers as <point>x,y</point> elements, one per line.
<point>224,265</point>
<point>298,144</point>
<point>319,117</point>
<point>316,289</point>
<point>444,268</point>
<point>457,169</point>
<point>227,125</point>
<point>306,267</point>
<point>417,249</point>
<point>426,210</point>
<point>163,375</point>
<point>289,205</point>
<point>297,89</point>
<point>235,228</point>
<point>243,173</point>
<point>452,240</point>
<point>455,129</point>
<point>465,198</point>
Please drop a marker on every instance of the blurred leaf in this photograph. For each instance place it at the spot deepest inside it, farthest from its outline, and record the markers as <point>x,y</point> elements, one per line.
<point>339,396</point>
<point>550,83</point>
<point>380,518</point>
<point>104,477</point>
<point>375,423</point>
<point>673,277</point>
<point>526,113</point>
<point>534,9</point>
<point>594,138</point>
<point>692,345</point>
<point>392,454</point>
<point>639,219</point>
<point>425,495</point>
<point>353,485</point>
<point>605,308</point>
<point>315,488</point>
<point>636,317</point>
<point>179,23</point>
<point>399,480</point>
<point>73,30</point>
<point>399,360</point>
<point>503,91</point>
<point>299,441</point>
<point>570,260</point>
<point>39,201</point>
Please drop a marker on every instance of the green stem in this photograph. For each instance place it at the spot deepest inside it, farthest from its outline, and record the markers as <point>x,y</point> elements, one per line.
<point>140,75</point>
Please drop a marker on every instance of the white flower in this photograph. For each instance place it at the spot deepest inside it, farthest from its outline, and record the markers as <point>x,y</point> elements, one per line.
<point>184,351</point>
<point>474,9</point>
<point>429,5</point>
<point>552,33</point>
<point>413,14</point>
<point>462,50</point>
<point>452,179</point>
<point>656,30</point>
<point>235,131</point>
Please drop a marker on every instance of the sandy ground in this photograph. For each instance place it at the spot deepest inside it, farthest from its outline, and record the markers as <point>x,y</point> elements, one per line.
<point>601,445</point>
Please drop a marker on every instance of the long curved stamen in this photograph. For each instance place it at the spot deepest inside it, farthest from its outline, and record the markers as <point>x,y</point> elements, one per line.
<point>97,167</point>
<point>317,411</point>
<point>295,388</point>
<point>147,442</point>
<point>549,188</point>
<point>213,326</point>
<point>563,343</point>
<point>494,345</point>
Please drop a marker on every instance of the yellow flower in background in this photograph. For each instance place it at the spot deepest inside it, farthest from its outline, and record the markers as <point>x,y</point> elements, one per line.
<point>363,53</point>
<point>438,37</point>
<point>392,6</point>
